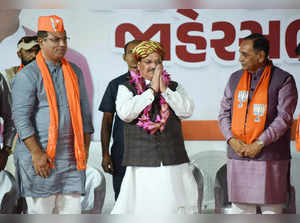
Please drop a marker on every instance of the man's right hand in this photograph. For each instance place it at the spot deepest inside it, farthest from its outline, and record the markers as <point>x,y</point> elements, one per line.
<point>40,161</point>
<point>107,164</point>
<point>155,82</point>
<point>238,146</point>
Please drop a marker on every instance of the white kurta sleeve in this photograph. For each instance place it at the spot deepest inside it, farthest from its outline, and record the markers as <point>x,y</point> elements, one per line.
<point>128,106</point>
<point>179,101</point>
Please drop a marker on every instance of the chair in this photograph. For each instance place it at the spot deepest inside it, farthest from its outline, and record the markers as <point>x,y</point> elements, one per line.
<point>291,202</point>
<point>295,171</point>
<point>199,179</point>
<point>95,187</point>
<point>208,162</point>
<point>220,191</point>
<point>221,194</point>
<point>8,193</point>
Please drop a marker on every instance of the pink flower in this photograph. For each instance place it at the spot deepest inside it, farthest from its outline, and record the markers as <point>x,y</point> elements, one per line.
<point>144,120</point>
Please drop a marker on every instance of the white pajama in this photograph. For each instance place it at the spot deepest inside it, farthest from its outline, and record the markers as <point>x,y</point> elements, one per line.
<point>54,204</point>
<point>158,190</point>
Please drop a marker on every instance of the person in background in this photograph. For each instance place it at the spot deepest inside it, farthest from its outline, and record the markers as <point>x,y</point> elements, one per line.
<point>111,161</point>
<point>297,51</point>
<point>28,48</point>
<point>9,130</point>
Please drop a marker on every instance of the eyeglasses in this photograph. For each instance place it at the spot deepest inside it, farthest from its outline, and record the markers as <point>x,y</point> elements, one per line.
<point>56,40</point>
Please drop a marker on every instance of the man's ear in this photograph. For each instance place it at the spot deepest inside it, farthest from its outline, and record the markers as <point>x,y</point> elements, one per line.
<point>19,54</point>
<point>124,57</point>
<point>40,41</point>
<point>262,56</point>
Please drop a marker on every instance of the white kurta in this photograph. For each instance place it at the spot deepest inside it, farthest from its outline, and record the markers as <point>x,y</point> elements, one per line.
<point>156,190</point>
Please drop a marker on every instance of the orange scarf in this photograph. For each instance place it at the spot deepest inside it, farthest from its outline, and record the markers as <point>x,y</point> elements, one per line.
<point>298,135</point>
<point>20,68</point>
<point>73,96</point>
<point>247,126</point>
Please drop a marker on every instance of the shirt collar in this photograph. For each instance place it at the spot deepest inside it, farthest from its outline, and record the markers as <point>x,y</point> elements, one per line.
<point>52,67</point>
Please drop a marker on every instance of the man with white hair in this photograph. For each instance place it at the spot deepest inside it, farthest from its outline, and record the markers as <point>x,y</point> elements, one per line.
<point>158,178</point>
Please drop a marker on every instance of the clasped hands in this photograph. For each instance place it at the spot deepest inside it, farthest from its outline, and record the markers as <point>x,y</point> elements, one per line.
<point>42,162</point>
<point>244,150</point>
<point>157,83</point>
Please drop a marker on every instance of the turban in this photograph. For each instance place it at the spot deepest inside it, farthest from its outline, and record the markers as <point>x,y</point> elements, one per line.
<point>27,42</point>
<point>146,48</point>
<point>50,23</point>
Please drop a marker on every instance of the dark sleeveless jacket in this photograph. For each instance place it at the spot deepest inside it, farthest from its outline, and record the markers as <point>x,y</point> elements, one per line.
<point>279,150</point>
<point>166,147</point>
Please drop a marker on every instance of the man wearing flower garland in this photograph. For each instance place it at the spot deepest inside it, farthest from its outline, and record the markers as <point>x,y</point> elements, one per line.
<point>158,178</point>
<point>53,121</point>
<point>111,162</point>
<point>255,117</point>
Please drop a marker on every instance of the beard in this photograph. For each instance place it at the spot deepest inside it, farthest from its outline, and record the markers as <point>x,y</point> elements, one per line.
<point>25,62</point>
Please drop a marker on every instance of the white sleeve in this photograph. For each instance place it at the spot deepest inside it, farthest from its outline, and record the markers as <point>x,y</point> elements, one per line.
<point>128,106</point>
<point>179,101</point>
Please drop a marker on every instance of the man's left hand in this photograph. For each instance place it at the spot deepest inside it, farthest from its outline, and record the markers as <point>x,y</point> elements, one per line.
<point>162,85</point>
<point>253,149</point>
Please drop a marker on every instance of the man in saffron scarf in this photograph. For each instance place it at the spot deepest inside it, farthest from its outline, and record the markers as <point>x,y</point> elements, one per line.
<point>255,117</point>
<point>158,178</point>
<point>53,121</point>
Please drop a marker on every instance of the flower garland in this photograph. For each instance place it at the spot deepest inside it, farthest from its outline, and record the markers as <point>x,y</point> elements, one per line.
<point>144,121</point>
